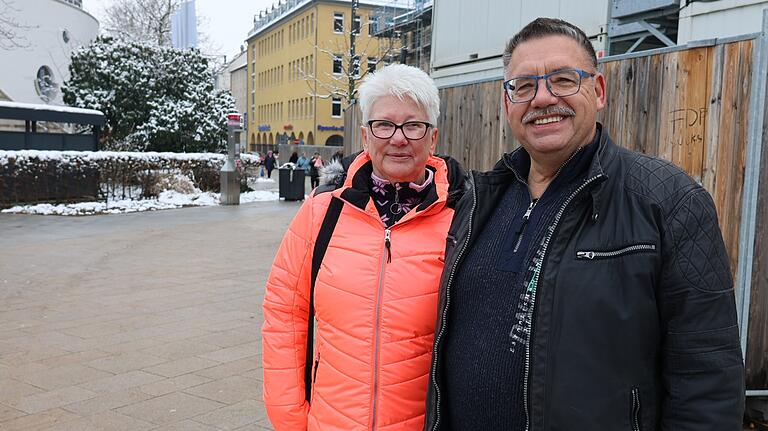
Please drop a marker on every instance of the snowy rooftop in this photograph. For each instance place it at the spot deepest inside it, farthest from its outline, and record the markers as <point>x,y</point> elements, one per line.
<point>285,8</point>
<point>53,113</point>
<point>53,108</point>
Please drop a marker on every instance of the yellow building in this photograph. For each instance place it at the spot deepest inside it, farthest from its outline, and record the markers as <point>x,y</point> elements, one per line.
<point>298,54</point>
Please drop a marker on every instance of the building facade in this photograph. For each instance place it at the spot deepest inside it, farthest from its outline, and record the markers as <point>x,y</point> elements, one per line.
<point>36,64</point>
<point>298,58</point>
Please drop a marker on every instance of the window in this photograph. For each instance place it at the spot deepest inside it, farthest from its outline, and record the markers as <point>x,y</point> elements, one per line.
<point>336,107</point>
<point>371,64</point>
<point>45,84</point>
<point>337,67</point>
<point>338,22</point>
<point>356,66</point>
<point>372,26</point>
<point>356,24</point>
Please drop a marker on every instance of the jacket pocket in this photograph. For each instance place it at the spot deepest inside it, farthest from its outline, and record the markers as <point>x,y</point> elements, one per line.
<point>634,413</point>
<point>315,366</point>
<point>610,254</point>
<point>450,243</point>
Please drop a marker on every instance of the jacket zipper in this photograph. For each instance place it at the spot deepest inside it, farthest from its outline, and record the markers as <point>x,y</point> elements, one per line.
<point>384,261</point>
<point>635,409</point>
<point>526,216</point>
<point>528,212</point>
<point>609,254</point>
<point>447,303</point>
<point>533,285</point>
<point>380,292</point>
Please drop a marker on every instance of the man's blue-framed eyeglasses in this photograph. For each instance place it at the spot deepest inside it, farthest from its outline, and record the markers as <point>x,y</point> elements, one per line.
<point>560,83</point>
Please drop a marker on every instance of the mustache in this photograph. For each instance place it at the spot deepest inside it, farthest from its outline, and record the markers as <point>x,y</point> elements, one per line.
<point>549,110</point>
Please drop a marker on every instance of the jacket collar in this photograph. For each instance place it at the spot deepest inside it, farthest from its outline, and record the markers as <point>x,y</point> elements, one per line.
<point>355,188</point>
<point>510,163</point>
<point>504,173</point>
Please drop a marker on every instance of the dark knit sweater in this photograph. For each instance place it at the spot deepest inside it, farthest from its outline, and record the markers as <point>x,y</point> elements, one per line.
<point>489,326</point>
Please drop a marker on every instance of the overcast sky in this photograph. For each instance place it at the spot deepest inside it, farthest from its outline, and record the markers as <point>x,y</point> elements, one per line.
<point>226,22</point>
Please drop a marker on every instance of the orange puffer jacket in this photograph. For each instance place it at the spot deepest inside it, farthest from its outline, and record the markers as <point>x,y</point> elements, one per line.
<point>375,317</point>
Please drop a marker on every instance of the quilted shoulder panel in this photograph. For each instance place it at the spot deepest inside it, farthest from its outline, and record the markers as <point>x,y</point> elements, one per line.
<point>659,180</point>
<point>690,218</point>
<point>701,254</point>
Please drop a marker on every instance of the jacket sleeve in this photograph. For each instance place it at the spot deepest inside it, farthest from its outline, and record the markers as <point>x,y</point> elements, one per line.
<point>284,334</point>
<point>703,370</point>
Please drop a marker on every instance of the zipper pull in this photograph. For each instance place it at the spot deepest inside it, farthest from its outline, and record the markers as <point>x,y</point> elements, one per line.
<point>528,212</point>
<point>585,254</point>
<point>526,216</point>
<point>388,244</point>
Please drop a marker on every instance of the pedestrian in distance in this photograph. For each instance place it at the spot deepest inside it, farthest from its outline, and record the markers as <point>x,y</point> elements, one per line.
<point>294,158</point>
<point>315,165</point>
<point>269,163</point>
<point>364,255</point>
<point>586,287</point>
<point>303,162</point>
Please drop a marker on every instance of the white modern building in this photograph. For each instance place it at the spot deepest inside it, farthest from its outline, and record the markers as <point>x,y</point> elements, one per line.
<point>36,63</point>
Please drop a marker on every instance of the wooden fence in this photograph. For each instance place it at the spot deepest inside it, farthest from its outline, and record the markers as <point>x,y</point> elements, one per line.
<point>690,105</point>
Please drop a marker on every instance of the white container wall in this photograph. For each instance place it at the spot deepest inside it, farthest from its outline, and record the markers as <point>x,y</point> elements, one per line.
<point>469,37</point>
<point>723,18</point>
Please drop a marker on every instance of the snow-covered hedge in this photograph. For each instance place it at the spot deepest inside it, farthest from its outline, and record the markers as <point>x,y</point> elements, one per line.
<point>33,176</point>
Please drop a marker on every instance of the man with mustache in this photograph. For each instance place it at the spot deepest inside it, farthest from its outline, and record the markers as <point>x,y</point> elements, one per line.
<point>586,287</point>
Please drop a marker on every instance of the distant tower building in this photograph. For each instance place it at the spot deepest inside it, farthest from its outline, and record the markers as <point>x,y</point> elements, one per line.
<point>184,26</point>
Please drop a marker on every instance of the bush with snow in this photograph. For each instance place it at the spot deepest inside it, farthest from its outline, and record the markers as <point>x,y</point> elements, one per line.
<point>153,98</point>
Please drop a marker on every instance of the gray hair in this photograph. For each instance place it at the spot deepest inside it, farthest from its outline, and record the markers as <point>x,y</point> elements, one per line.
<point>542,27</point>
<point>400,80</point>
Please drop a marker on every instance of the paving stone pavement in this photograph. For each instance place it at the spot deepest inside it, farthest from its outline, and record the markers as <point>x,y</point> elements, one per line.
<point>143,321</point>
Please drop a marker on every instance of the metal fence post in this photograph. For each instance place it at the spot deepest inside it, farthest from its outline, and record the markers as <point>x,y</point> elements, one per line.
<point>748,226</point>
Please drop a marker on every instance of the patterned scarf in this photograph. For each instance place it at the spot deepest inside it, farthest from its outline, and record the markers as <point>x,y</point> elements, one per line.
<point>394,200</point>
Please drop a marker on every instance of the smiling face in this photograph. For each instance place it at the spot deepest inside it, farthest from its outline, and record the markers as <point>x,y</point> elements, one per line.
<point>398,159</point>
<point>550,126</point>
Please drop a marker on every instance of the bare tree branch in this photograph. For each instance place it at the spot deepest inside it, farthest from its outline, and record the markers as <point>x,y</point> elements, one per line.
<point>10,27</point>
<point>345,85</point>
<point>146,21</point>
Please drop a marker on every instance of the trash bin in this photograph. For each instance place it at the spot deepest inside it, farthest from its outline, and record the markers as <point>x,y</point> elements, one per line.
<point>291,184</point>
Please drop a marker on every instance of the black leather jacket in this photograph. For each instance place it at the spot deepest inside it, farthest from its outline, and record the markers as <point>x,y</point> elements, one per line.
<point>634,323</point>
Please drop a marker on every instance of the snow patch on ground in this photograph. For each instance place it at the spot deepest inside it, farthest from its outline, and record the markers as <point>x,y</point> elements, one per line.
<point>168,199</point>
